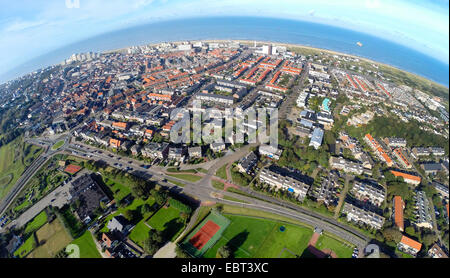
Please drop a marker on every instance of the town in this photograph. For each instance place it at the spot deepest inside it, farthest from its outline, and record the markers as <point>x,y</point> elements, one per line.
<point>362,159</point>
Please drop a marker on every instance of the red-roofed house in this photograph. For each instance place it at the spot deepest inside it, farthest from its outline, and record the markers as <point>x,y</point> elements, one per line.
<point>408,178</point>
<point>409,246</point>
<point>398,207</point>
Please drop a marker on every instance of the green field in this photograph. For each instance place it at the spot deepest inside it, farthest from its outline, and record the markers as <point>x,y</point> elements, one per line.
<point>168,221</point>
<point>26,247</point>
<point>14,157</point>
<point>229,198</point>
<point>217,184</point>
<point>251,237</point>
<point>58,145</point>
<point>120,191</point>
<point>52,238</point>
<point>36,223</point>
<point>186,177</point>
<point>222,172</point>
<point>140,233</point>
<point>87,246</point>
<point>176,183</point>
<point>342,250</point>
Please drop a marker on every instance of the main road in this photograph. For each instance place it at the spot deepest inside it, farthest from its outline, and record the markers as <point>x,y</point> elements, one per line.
<point>32,169</point>
<point>202,190</point>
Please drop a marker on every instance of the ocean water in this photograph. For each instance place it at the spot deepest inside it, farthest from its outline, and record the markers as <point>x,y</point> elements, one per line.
<point>252,28</point>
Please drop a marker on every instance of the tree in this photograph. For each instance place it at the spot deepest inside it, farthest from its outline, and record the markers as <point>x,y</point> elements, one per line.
<point>150,246</point>
<point>146,208</point>
<point>224,252</point>
<point>129,215</point>
<point>410,231</point>
<point>392,234</point>
<point>181,253</point>
<point>156,236</point>
<point>160,196</point>
<point>428,239</point>
<point>219,208</point>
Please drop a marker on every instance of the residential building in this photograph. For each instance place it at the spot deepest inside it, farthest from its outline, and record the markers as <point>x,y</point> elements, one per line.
<point>283,179</point>
<point>156,150</point>
<point>441,189</point>
<point>395,142</point>
<point>217,147</point>
<point>365,191</point>
<point>409,246</point>
<point>176,154</point>
<point>398,153</point>
<point>408,178</point>
<point>378,149</point>
<point>347,166</point>
<point>431,168</point>
<point>359,215</point>
<point>397,212</point>
<point>195,152</point>
<point>423,211</point>
<point>420,151</point>
<point>119,224</point>
<point>270,151</point>
<point>436,252</point>
<point>247,163</point>
<point>316,139</point>
<point>136,150</point>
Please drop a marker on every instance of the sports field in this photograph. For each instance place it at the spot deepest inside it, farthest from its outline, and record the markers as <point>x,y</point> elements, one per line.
<point>342,250</point>
<point>250,237</point>
<point>36,223</point>
<point>26,247</point>
<point>52,238</point>
<point>205,234</point>
<point>87,246</point>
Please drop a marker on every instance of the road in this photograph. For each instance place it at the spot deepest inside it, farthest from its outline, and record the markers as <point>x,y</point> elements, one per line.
<point>33,168</point>
<point>202,190</point>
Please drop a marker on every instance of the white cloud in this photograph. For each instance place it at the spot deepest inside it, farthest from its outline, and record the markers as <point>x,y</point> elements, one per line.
<point>20,25</point>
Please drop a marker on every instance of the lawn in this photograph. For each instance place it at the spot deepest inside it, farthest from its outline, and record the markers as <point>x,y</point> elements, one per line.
<point>52,238</point>
<point>58,145</point>
<point>341,249</point>
<point>140,233</point>
<point>229,198</point>
<point>36,223</point>
<point>186,177</point>
<point>26,247</point>
<point>168,221</point>
<point>176,183</point>
<point>251,237</point>
<point>222,172</point>
<point>87,246</point>
<point>217,184</point>
<point>120,191</point>
<point>14,156</point>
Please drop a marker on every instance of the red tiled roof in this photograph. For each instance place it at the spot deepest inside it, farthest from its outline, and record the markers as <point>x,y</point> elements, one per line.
<point>411,243</point>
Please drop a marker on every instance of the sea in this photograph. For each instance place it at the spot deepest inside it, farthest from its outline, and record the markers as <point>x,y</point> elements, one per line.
<point>252,28</point>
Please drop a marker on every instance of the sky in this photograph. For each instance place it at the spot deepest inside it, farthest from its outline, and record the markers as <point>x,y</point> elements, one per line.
<point>31,28</point>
